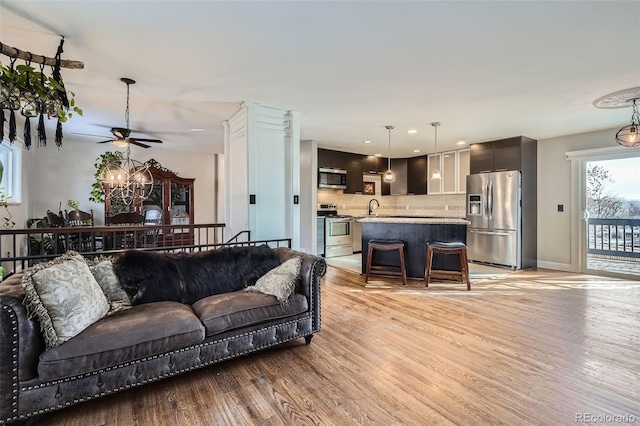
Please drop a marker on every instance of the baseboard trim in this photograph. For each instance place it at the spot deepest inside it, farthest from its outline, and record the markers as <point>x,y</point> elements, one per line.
<point>555,265</point>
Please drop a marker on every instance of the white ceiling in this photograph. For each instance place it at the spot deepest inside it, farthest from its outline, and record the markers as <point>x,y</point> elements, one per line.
<point>486,70</point>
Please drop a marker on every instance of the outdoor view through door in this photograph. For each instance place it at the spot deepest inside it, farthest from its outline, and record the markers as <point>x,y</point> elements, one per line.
<point>613,215</point>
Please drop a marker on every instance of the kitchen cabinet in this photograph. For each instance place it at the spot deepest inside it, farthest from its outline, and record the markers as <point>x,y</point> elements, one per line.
<point>449,172</point>
<point>324,158</point>
<point>463,170</point>
<point>331,159</point>
<point>399,169</point>
<point>434,186</point>
<point>454,168</point>
<point>353,166</point>
<point>374,165</point>
<point>417,175</point>
<point>501,155</point>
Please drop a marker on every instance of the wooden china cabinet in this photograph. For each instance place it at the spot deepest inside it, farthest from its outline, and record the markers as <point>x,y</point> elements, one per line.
<point>172,195</point>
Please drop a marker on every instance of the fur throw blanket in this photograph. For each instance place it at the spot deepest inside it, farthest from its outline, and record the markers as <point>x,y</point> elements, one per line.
<point>188,277</point>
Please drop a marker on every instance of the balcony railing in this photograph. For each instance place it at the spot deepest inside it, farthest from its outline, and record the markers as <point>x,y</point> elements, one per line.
<point>614,238</point>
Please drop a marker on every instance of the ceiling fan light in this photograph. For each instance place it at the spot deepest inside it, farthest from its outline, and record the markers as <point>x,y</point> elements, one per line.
<point>120,143</point>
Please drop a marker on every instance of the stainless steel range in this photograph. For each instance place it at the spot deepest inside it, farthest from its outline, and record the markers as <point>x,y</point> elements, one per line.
<point>338,236</point>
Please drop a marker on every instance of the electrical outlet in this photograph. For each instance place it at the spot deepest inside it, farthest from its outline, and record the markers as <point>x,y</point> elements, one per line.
<point>407,207</point>
<point>560,207</point>
<point>446,207</point>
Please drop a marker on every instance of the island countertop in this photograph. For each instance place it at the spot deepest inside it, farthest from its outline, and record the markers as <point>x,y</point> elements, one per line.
<point>409,219</point>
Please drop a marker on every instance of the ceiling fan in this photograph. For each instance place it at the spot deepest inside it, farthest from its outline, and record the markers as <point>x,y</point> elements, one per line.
<point>120,134</point>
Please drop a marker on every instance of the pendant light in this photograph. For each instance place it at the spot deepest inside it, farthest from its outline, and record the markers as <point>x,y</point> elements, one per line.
<point>436,172</point>
<point>630,135</point>
<point>388,176</point>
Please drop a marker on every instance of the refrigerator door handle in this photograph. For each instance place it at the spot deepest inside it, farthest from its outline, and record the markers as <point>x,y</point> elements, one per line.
<point>490,200</point>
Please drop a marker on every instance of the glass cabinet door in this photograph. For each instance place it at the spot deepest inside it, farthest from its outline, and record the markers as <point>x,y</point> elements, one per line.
<point>448,172</point>
<point>180,204</point>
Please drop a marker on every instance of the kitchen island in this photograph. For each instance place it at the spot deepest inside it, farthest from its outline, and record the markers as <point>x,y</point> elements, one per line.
<point>415,232</point>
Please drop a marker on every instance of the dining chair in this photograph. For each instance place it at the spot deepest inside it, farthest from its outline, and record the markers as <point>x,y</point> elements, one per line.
<point>152,217</point>
<point>55,221</point>
<point>127,239</point>
<point>82,241</point>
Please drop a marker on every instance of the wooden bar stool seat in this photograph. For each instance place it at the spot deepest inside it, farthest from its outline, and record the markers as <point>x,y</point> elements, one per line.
<point>447,248</point>
<point>386,245</point>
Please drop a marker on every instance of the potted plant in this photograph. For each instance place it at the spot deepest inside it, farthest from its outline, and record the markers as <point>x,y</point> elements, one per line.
<point>97,188</point>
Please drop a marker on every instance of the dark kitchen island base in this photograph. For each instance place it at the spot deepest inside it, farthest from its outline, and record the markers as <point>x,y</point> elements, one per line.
<point>415,233</point>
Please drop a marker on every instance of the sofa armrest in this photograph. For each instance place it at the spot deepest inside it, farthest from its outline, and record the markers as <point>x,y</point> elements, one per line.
<point>21,341</point>
<point>311,273</point>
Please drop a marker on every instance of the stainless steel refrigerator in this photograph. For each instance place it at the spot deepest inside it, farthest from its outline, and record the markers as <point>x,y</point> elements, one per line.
<point>494,208</point>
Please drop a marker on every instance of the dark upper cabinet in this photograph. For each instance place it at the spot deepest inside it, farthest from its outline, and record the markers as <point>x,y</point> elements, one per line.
<point>500,155</point>
<point>330,159</point>
<point>324,158</point>
<point>353,166</point>
<point>507,154</point>
<point>481,157</point>
<point>373,164</point>
<point>417,175</point>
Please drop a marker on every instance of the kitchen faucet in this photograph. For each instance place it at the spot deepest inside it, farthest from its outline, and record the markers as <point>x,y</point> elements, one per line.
<point>370,207</point>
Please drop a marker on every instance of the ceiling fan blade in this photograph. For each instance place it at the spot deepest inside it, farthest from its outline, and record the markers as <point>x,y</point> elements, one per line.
<point>135,142</point>
<point>148,140</point>
<point>107,141</point>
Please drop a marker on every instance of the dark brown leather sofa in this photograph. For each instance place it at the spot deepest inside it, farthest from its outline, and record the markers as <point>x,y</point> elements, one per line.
<point>146,343</point>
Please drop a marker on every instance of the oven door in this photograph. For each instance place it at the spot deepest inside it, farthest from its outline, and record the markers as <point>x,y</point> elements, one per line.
<point>338,232</point>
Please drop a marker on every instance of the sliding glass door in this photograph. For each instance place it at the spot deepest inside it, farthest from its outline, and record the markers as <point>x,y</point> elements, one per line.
<point>611,216</point>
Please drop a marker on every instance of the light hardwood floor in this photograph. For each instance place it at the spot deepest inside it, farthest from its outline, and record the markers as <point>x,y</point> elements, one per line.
<point>529,347</point>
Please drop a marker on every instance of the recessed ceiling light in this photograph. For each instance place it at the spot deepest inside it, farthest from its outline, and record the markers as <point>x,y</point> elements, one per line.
<point>366,141</point>
<point>378,155</point>
<point>416,150</point>
<point>412,131</point>
<point>197,130</point>
<point>461,142</point>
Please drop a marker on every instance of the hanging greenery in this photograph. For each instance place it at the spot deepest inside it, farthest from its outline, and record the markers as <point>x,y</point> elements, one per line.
<point>33,93</point>
<point>30,91</point>
<point>97,188</point>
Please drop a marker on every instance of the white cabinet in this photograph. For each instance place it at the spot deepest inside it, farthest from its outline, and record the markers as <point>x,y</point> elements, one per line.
<point>449,172</point>
<point>434,186</point>
<point>453,167</point>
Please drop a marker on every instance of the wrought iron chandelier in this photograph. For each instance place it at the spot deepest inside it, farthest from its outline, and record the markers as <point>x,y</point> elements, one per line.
<point>629,135</point>
<point>127,179</point>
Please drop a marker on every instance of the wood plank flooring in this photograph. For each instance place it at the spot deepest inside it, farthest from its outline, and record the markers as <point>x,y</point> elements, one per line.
<point>529,347</point>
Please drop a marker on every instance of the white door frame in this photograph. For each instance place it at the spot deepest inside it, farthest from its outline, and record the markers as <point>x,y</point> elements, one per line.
<point>579,161</point>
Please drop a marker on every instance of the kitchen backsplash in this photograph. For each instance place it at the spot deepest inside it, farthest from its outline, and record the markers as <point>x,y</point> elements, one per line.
<point>452,205</point>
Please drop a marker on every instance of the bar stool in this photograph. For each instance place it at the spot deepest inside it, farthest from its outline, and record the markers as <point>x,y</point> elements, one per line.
<point>447,248</point>
<point>386,245</point>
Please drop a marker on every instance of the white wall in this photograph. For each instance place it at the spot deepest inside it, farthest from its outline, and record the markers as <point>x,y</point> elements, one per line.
<point>554,187</point>
<point>308,196</point>
<point>57,175</point>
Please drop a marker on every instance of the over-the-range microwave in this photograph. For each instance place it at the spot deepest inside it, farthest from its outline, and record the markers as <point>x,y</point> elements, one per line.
<point>332,178</point>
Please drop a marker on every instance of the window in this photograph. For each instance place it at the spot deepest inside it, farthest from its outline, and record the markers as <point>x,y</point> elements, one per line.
<point>10,184</point>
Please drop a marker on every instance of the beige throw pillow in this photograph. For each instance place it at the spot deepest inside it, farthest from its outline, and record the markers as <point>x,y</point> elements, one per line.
<point>280,281</point>
<point>64,296</point>
<point>105,275</point>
